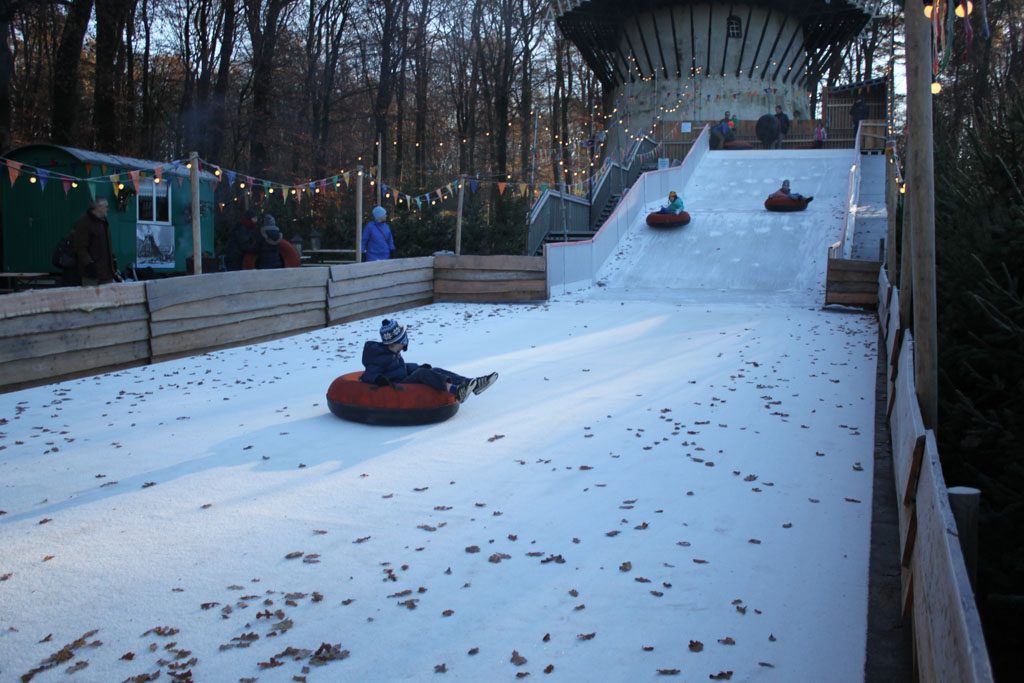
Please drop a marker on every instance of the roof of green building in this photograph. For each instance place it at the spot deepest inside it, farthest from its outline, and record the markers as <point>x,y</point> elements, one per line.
<point>88,156</point>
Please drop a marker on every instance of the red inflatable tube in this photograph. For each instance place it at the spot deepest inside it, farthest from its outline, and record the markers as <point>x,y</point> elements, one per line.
<point>777,201</point>
<point>667,220</point>
<point>399,404</point>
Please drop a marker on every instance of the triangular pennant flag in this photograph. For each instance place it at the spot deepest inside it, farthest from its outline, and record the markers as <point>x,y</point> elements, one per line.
<point>384,187</point>
<point>88,169</point>
<point>298,195</point>
<point>44,176</point>
<point>501,187</point>
<point>440,195</point>
<point>232,176</point>
<point>473,185</point>
<point>345,178</point>
<point>67,186</point>
<point>13,169</point>
<point>103,169</point>
<point>266,186</point>
<point>92,190</point>
<point>134,175</point>
<point>115,179</point>
<point>419,204</point>
<point>522,189</point>
<point>449,186</point>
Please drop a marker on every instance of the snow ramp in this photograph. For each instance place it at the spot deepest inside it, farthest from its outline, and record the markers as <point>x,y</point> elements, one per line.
<point>733,249</point>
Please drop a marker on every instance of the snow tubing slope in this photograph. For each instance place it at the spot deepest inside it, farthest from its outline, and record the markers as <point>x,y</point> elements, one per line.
<point>667,220</point>
<point>399,404</point>
<point>778,201</point>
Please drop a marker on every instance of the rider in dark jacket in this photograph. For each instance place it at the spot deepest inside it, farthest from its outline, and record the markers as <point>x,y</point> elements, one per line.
<point>384,365</point>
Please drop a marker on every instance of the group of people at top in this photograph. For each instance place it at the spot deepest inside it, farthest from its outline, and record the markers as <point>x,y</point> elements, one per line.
<point>727,127</point>
<point>262,241</point>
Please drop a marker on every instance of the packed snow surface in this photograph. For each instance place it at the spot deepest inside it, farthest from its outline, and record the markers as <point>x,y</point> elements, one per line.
<point>661,483</point>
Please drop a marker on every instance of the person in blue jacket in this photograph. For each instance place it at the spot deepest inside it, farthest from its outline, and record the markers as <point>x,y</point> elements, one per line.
<point>385,366</point>
<point>674,206</point>
<point>378,244</point>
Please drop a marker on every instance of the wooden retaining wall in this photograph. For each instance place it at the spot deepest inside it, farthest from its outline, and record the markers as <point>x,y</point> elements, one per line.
<point>54,334</point>
<point>851,282</point>
<point>362,290</point>
<point>71,332</point>
<point>948,641</point>
<point>490,279</point>
<point>190,315</point>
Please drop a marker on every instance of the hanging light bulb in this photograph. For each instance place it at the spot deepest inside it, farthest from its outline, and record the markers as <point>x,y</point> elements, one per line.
<point>936,87</point>
<point>964,8</point>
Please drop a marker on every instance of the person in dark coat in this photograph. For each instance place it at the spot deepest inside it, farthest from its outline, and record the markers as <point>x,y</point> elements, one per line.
<point>384,366</point>
<point>858,112</point>
<point>783,125</point>
<point>728,127</point>
<point>93,247</point>
<point>244,239</point>
<point>378,244</point>
<point>269,253</point>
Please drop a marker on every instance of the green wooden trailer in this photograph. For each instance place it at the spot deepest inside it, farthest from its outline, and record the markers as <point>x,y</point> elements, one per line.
<point>48,187</point>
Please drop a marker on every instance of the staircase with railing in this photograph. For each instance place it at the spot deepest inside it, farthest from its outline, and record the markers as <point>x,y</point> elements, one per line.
<point>562,217</point>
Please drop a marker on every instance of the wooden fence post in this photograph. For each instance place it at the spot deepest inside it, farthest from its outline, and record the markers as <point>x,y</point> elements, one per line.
<point>359,213</point>
<point>458,217</point>
<point>921,197</point>
<point>197,238</point>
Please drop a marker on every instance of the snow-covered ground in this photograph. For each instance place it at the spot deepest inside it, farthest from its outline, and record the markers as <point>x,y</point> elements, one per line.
<point>657,483</point>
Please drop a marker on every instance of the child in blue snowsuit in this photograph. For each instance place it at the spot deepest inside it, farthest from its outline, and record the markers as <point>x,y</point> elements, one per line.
<point>385,366</point>
<point>378,244</point>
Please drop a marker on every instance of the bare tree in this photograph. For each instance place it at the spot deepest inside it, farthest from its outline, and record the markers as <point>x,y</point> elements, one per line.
<point>264,19</point>
<point>111,20</point>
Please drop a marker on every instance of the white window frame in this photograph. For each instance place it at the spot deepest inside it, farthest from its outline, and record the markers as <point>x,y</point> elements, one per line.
<point>148,185</point>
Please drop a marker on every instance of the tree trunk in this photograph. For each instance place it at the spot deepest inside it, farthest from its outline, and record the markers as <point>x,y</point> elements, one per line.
<point>264,27</point>
<point>216,130</point>
<point>65,105</point>
<point>111,16</point>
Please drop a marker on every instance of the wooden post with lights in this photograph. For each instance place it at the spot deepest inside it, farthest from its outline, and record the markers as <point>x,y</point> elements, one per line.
<point>197,241</point>
<point>359,213</point>
<point>892,200</point>
<point>458,216</point>
<point>921,205</point>
<point>380,168</point>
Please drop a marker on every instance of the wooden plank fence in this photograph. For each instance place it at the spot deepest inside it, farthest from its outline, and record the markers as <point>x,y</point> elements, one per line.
<point>71,332</point>
<point>49,335</point>
<point>490,279</point>
<point>948,641</point>
<point>852,282</point>
<point>362,290</point>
